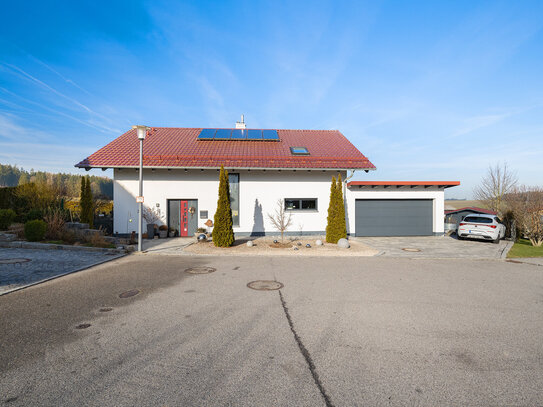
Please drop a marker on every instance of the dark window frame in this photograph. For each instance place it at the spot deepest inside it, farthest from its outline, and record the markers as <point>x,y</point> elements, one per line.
<point>300,209</point>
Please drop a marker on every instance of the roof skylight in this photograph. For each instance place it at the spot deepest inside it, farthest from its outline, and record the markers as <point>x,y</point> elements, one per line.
<point>299,151</point>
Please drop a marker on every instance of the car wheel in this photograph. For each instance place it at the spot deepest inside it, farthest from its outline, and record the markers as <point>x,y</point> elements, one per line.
<point>497,240</point>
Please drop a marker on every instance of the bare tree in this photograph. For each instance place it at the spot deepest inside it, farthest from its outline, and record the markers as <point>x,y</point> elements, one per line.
<point>151,215</point>
<point>281,219</point>
<point>527,206</point>
<point>498,181</point>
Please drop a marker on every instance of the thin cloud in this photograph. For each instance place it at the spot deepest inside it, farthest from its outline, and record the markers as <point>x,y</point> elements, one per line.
<point>96,126</point>
<point>56,92</point>
<point>71,82</point>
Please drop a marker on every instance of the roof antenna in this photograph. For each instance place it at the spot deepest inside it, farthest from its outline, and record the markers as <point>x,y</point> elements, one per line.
<point>241,124</point>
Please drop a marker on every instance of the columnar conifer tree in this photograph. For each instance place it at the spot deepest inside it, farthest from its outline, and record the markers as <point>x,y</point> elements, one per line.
<point>331,213</point>
<point>90,203</point>
<point>223,232</point>
<point>336,227</point>
<point>83,202</point>
<point>340,214</point>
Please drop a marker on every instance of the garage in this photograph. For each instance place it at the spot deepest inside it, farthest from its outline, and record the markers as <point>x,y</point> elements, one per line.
<point>396,208</point>
<point>394,217</point>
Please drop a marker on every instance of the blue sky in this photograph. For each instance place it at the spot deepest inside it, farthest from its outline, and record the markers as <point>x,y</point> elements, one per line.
<point>427,90</point>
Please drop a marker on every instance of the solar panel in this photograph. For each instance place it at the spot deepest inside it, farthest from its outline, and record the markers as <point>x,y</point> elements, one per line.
<point>270,135</point>
<point>239,134</point>
<point>253,134</point>
<point>206,134</point>
<point>223,134</point>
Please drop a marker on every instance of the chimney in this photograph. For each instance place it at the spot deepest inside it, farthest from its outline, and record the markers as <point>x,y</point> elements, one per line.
<point>241,124</point>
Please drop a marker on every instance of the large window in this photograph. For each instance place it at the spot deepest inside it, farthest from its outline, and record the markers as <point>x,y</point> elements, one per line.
<point>233,180</point>
<point>301,204</point>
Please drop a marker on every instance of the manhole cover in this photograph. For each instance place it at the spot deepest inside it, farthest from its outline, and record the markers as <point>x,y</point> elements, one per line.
<point>106,309</point>
<point>200,270</point>
<point>82,326</point>
<point>129,293</point>
<point>410,249</point>
<point>265,285</point>
<point>14,261</point>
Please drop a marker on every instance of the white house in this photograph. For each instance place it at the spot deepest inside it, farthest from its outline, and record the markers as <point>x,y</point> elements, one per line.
<point>292,167</point>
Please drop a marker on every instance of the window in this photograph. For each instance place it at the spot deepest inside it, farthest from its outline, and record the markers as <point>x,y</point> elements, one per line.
<point>477,219</point>
<point>299,151</point>
<point>233,180</point>
<point>301,204</point>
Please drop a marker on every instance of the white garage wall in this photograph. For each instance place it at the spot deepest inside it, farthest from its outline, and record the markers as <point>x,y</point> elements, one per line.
<point>257,188</point>
<point>405,192</point>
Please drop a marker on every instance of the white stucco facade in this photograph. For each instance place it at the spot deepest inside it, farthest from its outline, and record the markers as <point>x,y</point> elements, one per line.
<point>259,191</point>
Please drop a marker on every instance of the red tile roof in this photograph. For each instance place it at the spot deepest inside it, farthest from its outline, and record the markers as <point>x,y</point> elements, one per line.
<point>179,147</point>
<point>471,208</point>
<point>444,184</point>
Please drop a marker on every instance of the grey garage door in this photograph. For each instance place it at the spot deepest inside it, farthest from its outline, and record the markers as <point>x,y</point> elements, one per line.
<point>393,217</point>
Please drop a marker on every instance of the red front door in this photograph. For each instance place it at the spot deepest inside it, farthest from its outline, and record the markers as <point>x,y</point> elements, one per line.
<point>184,211</point>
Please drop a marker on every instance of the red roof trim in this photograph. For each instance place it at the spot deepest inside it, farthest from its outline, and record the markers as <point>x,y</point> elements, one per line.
<point>446,184</point>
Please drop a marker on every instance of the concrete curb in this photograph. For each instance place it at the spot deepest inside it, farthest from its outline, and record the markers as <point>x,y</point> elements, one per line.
<point>88,266</point>
<point>506,249</point>
<point>51,246</point>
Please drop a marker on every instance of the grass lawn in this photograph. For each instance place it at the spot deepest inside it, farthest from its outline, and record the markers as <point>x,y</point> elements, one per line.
<point>523,248</point>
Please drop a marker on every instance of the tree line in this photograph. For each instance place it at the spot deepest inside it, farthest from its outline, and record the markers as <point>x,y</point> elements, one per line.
<point>67,185</point>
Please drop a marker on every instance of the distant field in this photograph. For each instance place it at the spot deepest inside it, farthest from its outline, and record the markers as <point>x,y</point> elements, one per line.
<point>462,204</point>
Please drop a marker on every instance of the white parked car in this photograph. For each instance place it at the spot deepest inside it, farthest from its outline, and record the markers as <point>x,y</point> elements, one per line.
<point>487,227</point>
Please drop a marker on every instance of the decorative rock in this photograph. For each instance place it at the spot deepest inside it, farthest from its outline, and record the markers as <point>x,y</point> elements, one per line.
<point>275,241</point>
<point>343,243</point>
<point>202,237</point>
<point>295,248</point>
<point>308,245</point>
<point>318,242</point>
<point>250,243</point>
<point>299,243</point>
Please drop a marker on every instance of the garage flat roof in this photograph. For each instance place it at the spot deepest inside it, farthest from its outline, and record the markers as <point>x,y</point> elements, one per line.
<point>440,184</point>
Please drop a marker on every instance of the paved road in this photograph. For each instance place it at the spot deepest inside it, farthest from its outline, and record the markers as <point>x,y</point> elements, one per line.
<point>22,267</point>
<point>342,332</point>
<point>436,247</point>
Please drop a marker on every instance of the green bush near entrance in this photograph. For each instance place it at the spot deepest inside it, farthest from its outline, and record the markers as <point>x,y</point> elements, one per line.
<point>223,231</point>
<point>336,227</point>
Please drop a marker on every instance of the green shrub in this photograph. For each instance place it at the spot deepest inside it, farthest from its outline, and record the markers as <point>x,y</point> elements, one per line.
<point>223,232</point>
<point>331,213</point>
<point>34,214</point>
<point>6,218</point>
<point>86,202</point>
<point>340,214</point>
<point>35,230</point>
<point>336,227</point>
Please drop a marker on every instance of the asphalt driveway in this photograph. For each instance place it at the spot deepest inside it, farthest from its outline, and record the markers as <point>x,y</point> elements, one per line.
<point>436,247</point>
<point>341,332</point>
